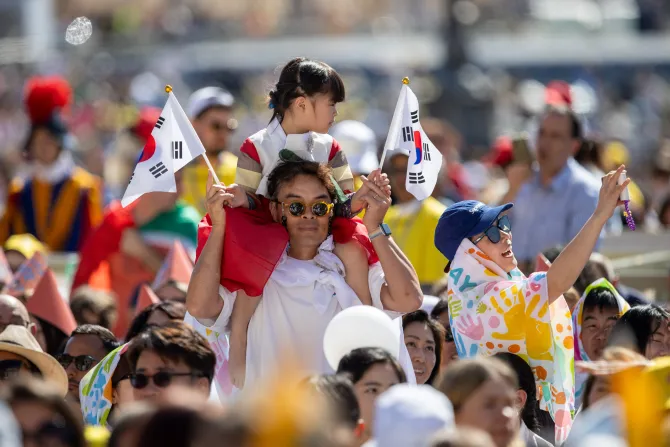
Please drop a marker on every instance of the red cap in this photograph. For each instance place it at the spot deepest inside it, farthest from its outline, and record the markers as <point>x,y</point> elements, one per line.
<point>145,298</point>
<point>48,304</point>
<point>558,93</point>
<point>146,122</point>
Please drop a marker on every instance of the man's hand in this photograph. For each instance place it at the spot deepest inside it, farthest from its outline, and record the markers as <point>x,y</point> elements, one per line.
<point>217,197</point>
<point>377,200</point>
<point>377,178</point>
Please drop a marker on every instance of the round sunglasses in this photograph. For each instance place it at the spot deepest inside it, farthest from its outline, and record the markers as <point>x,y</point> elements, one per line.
<point>298,208</point>
<point>161,379</point>
<point>82,362</point>
<point>493,232</point>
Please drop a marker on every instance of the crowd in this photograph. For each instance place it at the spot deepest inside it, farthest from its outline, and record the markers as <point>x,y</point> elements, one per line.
<point>210,316</point>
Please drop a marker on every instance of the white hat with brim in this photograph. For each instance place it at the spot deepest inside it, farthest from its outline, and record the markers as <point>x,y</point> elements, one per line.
<point>18,340</point>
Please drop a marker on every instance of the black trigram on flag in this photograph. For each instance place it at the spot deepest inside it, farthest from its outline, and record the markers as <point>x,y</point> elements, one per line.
<point>426,152</point>
<point>416,178</point>
<point>415,116</point>
<point>160,122</point>
<point>158,170</point>
<point>177,150</point>
<point>131,177</point>
<point>407,134</point>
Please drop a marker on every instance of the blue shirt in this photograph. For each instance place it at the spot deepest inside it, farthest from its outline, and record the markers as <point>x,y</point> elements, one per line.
<point>543,217</point>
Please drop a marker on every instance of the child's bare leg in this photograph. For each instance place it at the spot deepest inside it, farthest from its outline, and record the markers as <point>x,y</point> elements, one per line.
<point>355,260</point>
<point>243,310</point>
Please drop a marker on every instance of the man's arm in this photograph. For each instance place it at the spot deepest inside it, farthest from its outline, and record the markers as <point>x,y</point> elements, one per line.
<point>402,291</point>
<point>202,299</point>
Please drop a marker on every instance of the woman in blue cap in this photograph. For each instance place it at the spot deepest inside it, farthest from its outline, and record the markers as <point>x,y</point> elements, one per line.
<point>494,308</point>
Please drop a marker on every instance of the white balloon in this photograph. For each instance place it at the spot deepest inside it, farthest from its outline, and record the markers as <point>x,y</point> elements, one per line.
<point>360,327</point>
<point>79,31</point>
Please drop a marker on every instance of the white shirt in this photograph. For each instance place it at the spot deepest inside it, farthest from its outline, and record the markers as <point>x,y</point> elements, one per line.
<point>299,300</point>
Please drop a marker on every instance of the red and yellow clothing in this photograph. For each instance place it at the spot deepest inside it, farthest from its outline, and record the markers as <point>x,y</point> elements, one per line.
<point>61,215</point>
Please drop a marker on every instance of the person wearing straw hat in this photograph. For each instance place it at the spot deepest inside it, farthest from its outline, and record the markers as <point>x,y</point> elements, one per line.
<point>21,355</point>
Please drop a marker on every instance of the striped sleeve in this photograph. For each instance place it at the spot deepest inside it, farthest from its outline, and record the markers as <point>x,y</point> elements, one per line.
<point>340,166</point>
<point>249,170</point>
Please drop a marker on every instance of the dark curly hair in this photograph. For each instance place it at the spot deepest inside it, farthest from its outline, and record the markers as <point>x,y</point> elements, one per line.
<point>286,171</point>
<point>304,77</point>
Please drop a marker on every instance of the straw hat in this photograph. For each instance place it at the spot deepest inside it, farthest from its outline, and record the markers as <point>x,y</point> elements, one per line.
<point>18,340</point>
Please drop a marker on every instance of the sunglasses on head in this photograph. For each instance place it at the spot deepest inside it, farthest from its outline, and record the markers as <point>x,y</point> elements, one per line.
<point>161,379</point>
<point>9,369</point>
<point>319,208</point>
<point>493,232</point>
<point>82,362</point>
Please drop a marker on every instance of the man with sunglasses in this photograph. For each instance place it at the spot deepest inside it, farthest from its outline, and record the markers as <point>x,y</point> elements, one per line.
<point>87,345</point>
<point>306,289</point>
<point>173,354</point>
<point>211,112</point>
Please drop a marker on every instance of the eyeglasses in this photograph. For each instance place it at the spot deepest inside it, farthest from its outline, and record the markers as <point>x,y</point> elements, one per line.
<point>82,362</point>
<point>161,379</point>
<point>319,209</point>
<point>493,232</point>
<point>9,369</point>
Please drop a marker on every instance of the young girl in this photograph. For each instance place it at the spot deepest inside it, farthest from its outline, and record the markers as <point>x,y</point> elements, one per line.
<point>303,104</point>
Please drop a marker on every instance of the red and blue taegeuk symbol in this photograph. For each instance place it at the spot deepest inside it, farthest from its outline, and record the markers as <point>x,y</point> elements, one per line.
<point>418,147</point>
<point>148,151</point>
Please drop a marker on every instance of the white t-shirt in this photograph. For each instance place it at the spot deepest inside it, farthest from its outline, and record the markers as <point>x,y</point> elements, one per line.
<point>299,300</point>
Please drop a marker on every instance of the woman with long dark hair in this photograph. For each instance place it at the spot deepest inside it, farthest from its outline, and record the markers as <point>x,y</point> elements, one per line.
<point>423,338</point>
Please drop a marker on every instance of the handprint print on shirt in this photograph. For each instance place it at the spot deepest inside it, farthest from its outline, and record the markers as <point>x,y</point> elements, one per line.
<point>473,329</point>
<point>512,312</point>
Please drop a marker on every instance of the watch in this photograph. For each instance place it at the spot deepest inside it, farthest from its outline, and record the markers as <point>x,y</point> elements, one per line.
<point>383,230</point>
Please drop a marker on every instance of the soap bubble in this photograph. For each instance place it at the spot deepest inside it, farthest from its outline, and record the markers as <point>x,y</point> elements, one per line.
<point>79,31</point>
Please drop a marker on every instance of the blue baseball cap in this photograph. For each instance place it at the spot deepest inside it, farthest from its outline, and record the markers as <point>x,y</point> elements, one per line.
<point>463,220</point>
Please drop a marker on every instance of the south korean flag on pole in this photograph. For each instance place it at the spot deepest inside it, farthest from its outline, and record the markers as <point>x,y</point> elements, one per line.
<point>172,144</point>
<point>406,133</point>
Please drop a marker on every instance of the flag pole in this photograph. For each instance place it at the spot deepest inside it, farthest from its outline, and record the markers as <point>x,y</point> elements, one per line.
<point>393,129</point>
<point>168,90</point>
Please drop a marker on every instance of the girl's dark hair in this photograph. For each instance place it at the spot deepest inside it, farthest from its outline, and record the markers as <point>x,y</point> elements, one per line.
<point>23,391</point>
<point>438,331</point>
<point>640,323</point>
<point>173,309</point>
<point>357,362</point>
<point>54,337</point>
<point>304,77</point>
<point>527,384</point>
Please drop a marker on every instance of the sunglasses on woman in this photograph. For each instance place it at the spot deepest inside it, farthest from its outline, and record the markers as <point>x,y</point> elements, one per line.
<point>298,208</point>
<point>82,362</point>
<point>493,232</point>
<point>161,379</point>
